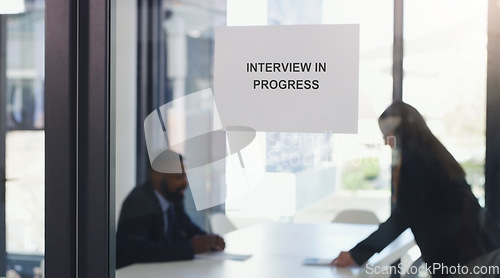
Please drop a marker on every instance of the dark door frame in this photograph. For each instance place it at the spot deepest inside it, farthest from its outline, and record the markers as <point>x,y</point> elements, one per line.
<point>3,133</point>
<point>492,159</point>
<point>77,111</point>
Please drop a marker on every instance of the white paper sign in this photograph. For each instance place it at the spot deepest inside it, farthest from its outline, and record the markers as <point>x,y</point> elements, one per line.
<point>288,78</point>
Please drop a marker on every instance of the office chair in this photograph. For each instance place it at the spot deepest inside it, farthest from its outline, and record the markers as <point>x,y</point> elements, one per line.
<point>356,216</point>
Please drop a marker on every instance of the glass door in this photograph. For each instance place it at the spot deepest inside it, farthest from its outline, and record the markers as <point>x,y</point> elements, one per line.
<point>22,138</point>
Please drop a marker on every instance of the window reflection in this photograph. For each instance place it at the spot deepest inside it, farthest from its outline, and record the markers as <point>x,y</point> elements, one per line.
<point>445,77</point>
<point>444,71</point>
<point>25,140</point>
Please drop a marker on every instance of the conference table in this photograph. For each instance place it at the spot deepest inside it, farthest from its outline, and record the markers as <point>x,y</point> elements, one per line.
<point>277,250</point>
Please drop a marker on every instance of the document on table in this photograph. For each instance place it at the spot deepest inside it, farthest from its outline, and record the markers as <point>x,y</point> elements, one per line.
<point>317,261</point>
<point>223,256</point>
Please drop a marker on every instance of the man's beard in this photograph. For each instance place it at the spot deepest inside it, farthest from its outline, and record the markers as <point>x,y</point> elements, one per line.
<point>174,197</point>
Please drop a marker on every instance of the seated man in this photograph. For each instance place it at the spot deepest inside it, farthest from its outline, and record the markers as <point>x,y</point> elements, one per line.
<point>153,226</point>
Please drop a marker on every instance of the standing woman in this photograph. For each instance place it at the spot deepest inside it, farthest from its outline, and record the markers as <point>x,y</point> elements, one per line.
<point>432,198</point>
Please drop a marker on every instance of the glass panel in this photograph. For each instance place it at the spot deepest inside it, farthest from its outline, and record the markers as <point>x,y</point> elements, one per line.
<point>164,61</point>
<point>311,177</point>
<point>363,160</point>
<point>164,107</point>
<point>327,173</point>
<point>24,140</point>
<point>445,77</point>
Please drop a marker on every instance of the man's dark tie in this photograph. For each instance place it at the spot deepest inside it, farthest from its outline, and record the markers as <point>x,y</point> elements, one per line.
<point>171,224</point>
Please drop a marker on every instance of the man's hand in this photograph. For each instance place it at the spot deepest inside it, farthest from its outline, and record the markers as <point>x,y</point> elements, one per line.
<point>202,244</point>
<point>219,243</point>
<point>344,259</point>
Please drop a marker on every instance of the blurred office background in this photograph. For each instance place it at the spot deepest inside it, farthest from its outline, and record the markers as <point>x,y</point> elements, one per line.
<point>312,177</point>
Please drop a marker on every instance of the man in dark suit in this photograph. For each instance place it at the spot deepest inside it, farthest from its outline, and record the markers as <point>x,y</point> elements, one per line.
<point>153,226</point>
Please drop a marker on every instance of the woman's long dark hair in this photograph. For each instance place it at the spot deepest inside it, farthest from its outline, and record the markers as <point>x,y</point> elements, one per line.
<point>415,138</point>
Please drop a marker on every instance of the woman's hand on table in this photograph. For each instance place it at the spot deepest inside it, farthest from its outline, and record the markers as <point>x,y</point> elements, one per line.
<point>343,260</point>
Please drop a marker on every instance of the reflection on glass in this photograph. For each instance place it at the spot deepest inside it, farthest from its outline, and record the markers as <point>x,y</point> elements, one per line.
<point>165,131</point>
<point>308,177</point>
<point>25,68</point>
<point>25,192</point>
<point>25,140</point>
<point>326,173</point>
<point>177,43</point>
<point>177,62</point>
<point>445,76</point>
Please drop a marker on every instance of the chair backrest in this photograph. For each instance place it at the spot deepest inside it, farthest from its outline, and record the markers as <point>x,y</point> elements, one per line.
<point>220,224</point>
<point>356,216</point>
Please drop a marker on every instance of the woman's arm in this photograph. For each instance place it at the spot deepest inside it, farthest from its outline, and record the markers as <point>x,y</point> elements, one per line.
<point>378,240</point>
